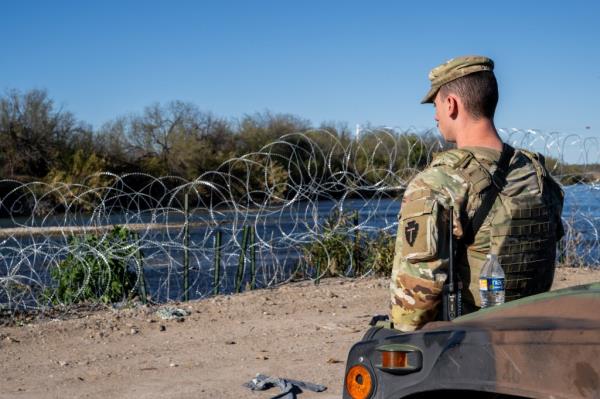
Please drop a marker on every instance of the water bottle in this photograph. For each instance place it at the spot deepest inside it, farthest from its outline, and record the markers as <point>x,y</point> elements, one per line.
<point>491,282</point>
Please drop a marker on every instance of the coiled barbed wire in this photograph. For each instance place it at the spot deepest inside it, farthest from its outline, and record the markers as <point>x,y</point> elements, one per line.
<point>305,190</point>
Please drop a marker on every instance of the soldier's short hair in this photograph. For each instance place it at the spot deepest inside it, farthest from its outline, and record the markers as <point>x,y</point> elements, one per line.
<point>478,92</point>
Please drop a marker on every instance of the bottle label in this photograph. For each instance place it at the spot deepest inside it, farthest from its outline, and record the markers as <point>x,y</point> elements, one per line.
<point>491,284</point>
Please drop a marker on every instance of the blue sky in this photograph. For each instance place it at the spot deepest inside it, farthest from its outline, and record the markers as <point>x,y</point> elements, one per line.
<point>344,61</point>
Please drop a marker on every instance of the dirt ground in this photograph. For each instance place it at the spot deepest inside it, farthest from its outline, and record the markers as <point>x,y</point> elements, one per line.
<point>300,331</point>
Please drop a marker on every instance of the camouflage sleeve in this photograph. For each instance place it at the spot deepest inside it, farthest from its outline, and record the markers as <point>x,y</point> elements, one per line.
<point>421,253</point>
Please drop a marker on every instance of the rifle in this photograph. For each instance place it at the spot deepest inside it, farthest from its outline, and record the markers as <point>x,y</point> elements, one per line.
<point>451,294</point>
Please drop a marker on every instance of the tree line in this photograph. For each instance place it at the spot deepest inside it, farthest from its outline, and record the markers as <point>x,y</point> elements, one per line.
<point>43,142</point>
<point>40,140</point>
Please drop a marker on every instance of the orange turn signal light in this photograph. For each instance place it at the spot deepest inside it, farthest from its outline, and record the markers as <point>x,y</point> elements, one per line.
<point>359,382</point>
<point>394,360</point>
<point>400,358</point>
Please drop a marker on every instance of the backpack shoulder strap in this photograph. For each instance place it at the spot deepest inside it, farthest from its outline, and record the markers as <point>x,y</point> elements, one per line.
<point>489,197</point>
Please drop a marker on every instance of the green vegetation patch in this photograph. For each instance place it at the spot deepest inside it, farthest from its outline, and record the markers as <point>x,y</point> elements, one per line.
<point>97,269</point>
<point>342,250</point>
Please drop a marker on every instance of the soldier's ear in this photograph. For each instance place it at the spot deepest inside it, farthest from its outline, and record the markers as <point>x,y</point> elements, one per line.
<point>451,103</point>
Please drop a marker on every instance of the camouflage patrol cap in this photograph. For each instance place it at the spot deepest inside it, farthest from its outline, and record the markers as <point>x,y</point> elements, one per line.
<point>454,69</point>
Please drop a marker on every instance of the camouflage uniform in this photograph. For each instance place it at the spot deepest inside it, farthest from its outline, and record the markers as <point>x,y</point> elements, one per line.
<point>522,226</point>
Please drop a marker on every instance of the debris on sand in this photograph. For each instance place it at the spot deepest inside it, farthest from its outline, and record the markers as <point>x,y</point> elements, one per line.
<point>170,313</point>
<point>288,387</point>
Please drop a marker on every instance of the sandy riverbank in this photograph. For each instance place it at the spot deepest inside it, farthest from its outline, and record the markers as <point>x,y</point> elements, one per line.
<point>299,331</point>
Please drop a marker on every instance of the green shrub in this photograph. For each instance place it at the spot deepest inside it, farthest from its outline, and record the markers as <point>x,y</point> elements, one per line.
<point>96,269</point>
<point>340,245</point>
<point>380,257</point>
<point>331,249</point>
<point>337,248</point>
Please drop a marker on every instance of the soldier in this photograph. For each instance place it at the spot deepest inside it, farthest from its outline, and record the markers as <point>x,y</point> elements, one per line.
<point>504,201</point>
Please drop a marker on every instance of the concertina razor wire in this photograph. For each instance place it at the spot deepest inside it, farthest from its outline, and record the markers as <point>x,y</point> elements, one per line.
<point>304,206</point>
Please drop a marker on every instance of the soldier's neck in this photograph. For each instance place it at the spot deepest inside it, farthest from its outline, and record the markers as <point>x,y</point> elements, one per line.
<point>478,133</point>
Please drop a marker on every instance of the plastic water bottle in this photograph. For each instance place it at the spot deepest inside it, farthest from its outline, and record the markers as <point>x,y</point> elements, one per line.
<point>491,282</point>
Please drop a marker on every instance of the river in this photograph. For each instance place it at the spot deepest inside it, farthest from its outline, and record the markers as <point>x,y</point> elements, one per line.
<point>281,233</point>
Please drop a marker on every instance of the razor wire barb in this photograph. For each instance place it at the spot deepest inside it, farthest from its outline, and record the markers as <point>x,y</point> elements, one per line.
<point>316,204</point>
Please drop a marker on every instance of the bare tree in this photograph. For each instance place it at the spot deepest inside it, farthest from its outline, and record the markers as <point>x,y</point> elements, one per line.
<point>33,133</point>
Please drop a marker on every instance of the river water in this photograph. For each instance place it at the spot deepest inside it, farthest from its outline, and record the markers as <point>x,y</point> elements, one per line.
<point>281,232</point>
